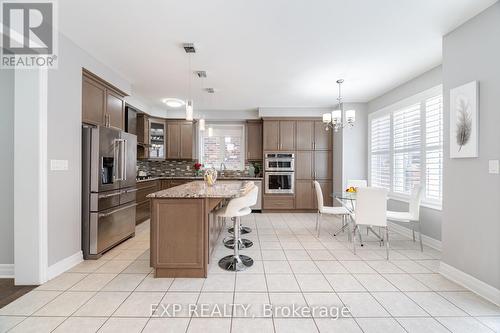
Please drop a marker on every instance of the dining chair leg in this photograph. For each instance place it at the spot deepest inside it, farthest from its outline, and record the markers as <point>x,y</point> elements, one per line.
<point>413,230</point>
<point>387,241</point>
<point>319,223</point>
<point>420,236</point>
<point>359,235</point>
<point>353,238</point>
<point>317,218</point>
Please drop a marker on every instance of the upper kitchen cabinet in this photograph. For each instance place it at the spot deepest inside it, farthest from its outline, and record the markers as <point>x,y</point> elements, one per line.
<point>279,135</point>
<point>130,119</point>
<point>287,135</point>
<point>93,99</point>
<point>305,135</point>
<point>115,109</point>
<point>254,140</point>
<point>102,103</point>
<point>323,139</point>
<point>271,135</point>
<point>157,139</point>
<point>143,129</point>
<point>180,140</point>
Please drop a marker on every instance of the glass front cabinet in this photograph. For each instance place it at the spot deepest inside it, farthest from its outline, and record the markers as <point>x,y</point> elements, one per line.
<point>156,139</point>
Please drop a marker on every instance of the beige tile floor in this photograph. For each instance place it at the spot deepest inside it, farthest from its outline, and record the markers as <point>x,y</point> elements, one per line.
<point>292,266</point>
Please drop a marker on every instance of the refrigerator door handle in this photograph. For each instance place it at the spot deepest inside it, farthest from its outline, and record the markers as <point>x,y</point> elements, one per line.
<point>115,162</point>
<point>124,161</point>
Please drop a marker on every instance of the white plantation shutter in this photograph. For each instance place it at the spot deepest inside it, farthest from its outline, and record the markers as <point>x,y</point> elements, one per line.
<point>406,148</point>
<point>406,145</point>
<point>434,148</point>
<point>380,139</point>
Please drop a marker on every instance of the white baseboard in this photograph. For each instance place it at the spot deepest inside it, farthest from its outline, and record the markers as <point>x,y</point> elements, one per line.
<point>7,271</point>
<point>431,242</point>
<point>64,265</point>
<point>468,281</point>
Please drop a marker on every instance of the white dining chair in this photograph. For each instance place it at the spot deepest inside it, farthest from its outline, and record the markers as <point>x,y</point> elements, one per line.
<point>371,211</point>
<point>357,183</point>
<point>413,215</point>
<point>342,211</point>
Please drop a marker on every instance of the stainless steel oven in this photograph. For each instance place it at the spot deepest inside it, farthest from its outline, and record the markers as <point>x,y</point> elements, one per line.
<point>279,182</point>
<point>279,162</point>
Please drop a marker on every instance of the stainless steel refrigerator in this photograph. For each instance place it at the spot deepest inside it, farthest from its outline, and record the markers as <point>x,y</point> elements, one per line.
<point>108,185</point>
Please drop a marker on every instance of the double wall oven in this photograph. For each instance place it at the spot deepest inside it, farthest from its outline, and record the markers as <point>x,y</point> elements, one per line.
<point>108,188</point>
<point>279,173</point>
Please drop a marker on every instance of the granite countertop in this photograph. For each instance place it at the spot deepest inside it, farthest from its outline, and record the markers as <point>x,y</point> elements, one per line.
<point>199,189</point>
<point>198,178</point>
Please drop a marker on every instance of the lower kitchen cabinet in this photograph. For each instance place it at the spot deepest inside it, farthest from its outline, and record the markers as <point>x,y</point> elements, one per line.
<point>142,211</point>
<point>304,194</point>
<point>281,202</point>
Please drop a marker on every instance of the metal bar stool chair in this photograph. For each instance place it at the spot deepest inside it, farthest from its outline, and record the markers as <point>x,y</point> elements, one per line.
<point>235,209</point>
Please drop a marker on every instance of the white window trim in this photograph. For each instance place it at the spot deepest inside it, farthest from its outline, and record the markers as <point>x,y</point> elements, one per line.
<point>388,110</point>
<point>199,148</point>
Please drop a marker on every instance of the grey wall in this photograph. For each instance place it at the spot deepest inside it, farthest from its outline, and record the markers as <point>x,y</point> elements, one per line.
<point>430,218</point>
<point>7,167</point>
<point>350,149</point>
<point>471,206</point>
<point>64,143</point>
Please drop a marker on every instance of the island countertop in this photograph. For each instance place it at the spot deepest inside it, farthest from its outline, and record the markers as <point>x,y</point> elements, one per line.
<point>199,189</point>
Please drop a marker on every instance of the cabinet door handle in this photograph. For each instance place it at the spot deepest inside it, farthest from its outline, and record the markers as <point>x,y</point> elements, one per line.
<point>314,145</point>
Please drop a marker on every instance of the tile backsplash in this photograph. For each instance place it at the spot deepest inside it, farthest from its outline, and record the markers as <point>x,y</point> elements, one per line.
<point>181,168</point>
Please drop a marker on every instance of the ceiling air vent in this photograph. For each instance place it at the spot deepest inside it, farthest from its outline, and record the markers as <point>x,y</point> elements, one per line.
<point>189,47</point>
<point>210,90</point>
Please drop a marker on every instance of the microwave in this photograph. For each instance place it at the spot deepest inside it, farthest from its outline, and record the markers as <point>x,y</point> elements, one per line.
<point>279,162</point>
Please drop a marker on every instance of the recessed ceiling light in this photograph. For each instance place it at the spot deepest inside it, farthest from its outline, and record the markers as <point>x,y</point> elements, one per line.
<point>174,102</point>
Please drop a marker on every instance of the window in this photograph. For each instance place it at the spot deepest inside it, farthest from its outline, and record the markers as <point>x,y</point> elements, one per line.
<point>223,144</point>
<point>380,152</point>
<point>406,147</point>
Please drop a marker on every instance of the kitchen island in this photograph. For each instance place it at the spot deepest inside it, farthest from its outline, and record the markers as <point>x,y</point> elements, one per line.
<point>184,229</point>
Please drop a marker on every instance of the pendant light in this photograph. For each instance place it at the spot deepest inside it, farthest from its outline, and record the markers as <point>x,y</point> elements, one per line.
<point>189,102</point>
<point>333,119</point>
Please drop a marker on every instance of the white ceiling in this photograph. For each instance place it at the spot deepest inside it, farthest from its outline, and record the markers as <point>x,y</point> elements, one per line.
<point>265,53</point>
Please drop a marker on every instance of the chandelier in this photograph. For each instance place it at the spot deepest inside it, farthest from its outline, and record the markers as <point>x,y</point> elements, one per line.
<point>334,119</point>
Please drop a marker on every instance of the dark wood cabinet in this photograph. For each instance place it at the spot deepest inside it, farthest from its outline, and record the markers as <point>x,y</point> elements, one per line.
<point>115,109</point>
<point>93,102</point>
<point>173,138</point>
<point>179,140</point>
<point>305,135</point>
<point>304,194</point>
<point>102,103</point>
<point>279,202</point>
<point>142,211</point>
<point>323,165</point>
<point>287,135</point>
<point>186,142</point>
<point>143,129</point>
<point>279,135</point>
<point>304,165</point>
<point>271,135</point>
<point>130,120</point>
<point>254,140</point>
<point>323,139</point>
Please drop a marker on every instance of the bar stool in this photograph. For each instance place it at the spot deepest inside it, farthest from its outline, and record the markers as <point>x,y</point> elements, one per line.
<point>235,209</point>
<point>242,242</point>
